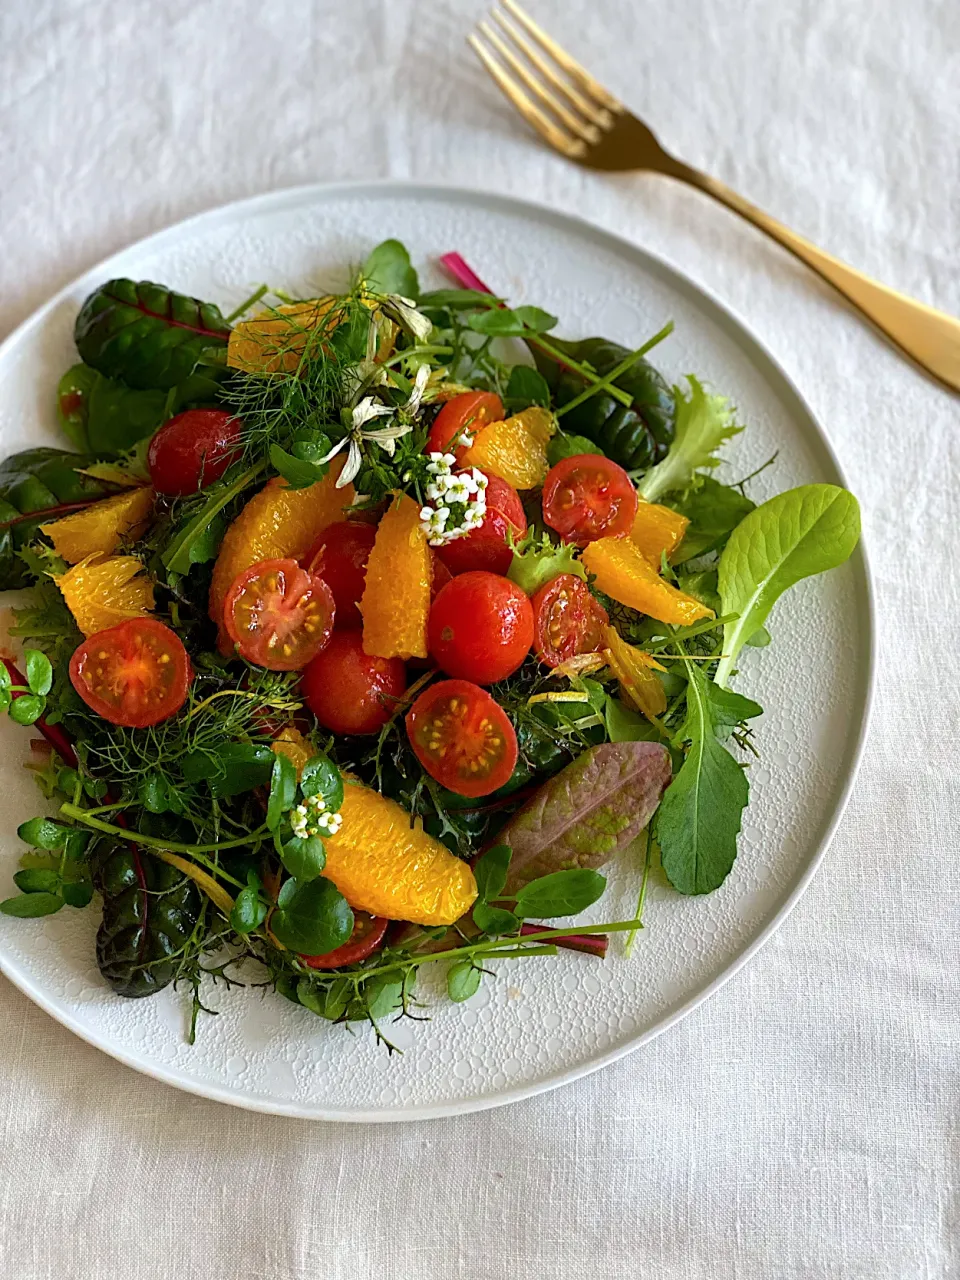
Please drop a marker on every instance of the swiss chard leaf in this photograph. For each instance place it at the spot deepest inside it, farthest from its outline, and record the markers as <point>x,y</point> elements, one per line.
<point>388,270</point>
<point>699,817</point>
<point>313,919</point>
<point>799,533</point>
<point>714,511</point>
<point>146,335</point>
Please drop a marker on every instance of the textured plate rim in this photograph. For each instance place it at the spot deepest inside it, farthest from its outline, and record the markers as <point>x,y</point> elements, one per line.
<point>771,369</point>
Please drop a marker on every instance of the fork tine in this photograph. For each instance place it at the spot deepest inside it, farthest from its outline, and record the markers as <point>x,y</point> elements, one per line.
<point>556,137</point>
<point>589,132</point>
<point>560,56</point>
<point>599,116</point>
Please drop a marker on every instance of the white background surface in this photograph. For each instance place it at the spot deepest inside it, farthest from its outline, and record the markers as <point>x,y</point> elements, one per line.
<point>803,1123</point>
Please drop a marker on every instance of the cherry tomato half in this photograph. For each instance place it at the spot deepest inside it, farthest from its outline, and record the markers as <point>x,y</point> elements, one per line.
<point>278,615</point>
<point>588,497</point>
<point>135,674</point>
<point>486,547</point>
<point>350,691</point>
<point>339,556</point>
<point>480,627</point>
<point>192,450</point>
<point>465,413</point>
<point>462,737</point>
<point>366,938</point>
<point>567,620</point>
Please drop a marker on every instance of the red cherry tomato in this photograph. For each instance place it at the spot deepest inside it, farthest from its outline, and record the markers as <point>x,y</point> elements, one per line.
<point>567,620</point>
<point>278,615</point>
<point>462,737</point>
<point>135,674</point>
<point>192,450</point>
<point>480,627</point>
<point>441,576</point>
<point>588,497</point>
<point>366,938</point>
<point>486,547</point>
<point>350,691</point>
<point>465,413</point>
<point>339,556</point>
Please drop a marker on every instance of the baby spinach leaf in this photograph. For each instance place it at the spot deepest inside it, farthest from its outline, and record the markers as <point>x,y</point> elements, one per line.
<point>313,919</point>
<point>506,322</point>
<point>388,270</point>
<point>463,980</point>
<point>77,893</point>
<point>31,905</point>
<point>799,533</point>
<point>459,299</point>
<point>563,893</point>
<point>714,511</point>
<point>249,909</point>
<point>587,813</point>
<point>699,817</point>
<point>146,335</point>
<point>704,422</point>
<point>233,768</point>
<point>491,872</point>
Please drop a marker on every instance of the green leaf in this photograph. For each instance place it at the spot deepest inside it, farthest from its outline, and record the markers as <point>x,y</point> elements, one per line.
<point>299,474</point>
<point>388,270</point>
<point>195,542</point>
<point>564,446</point>
<point>77,893</point>
<point>703,587</point>
<point>37,880</point>
<point>563,893</point>
<point>6,680</point>
<point>463,980</point>
<point>27,709</point>
<point>491,872</point>
<point>502,323</point>
<point>321,777</point>
<point>73,390</point>
<point>233,768</point>
<point>330,1001</point>
<point>704,422</point>
<point>535,563</point>
<point>31,905</point>
<point>382,995</point>
<point>43,833</point>
<point>626,725</point>
<point>714,511</point>
<point>699,817</point>
<point>304,856</point>
<point>283,789</point>
<point>494,920</point>
<point>249,911</point>
<point>525,387</point>
<point>146,335</point>
<point>799,533</point>
<point>535,318</point>
<point>312,919</point>
<point>157,795</point>
<point>39,671</point>
<point>458,299</point>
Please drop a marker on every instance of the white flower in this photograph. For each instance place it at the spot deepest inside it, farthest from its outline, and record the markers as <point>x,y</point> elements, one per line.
<point>404,311</point>
<point>420,381</point>
<point>465,439</point>
<point>457,489</point>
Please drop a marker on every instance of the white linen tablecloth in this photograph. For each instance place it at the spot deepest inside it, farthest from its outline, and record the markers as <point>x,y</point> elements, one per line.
<point>803,1123</point>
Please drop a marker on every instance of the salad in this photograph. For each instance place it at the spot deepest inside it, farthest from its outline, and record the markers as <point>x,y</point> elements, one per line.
<point>361,630</point>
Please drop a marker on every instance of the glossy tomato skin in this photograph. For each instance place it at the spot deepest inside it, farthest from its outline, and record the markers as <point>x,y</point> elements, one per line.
<point>192,450</point>
<point>278,615</point>
<point>486,547</point>
<point>587,497</point>
<point>567,620</point>
<point>367,937</point>
<point>467,412</point>
<point>462,737</point>
<point>134,674</point>
<point>350,691</point>
<point>480,627</point>
<point>339,556</point>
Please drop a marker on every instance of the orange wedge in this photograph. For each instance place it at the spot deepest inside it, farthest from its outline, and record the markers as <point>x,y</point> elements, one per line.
<point>623,572</point>
<point>657,531</point>
<point>515,449</point>
<point>274,341</point>
<point>396,593</point>
<point>98,529</point>
<point>100,593</point>
<point>634,670</point>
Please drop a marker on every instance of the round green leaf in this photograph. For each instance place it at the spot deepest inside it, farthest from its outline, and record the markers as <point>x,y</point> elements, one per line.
<point>37,880</point>
<point>26,709</point>
<point>31,905</point>
<point>321,777</point>
<point>463,980</point>
<point>77,893</point>
<point>314,919</point>
<point>564,893</point>
<point>304,857</point>
<point>43,833</point>
<point>494,920</point>
<point>39,671</point>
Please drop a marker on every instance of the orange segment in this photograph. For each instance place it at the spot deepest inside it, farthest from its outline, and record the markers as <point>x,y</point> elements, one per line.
<point>100,593</point>
<point>278,523</point>
<point>396,593</point>
<point>382,864</point>
<point>635,671</point>
<point>292,744</point>
<point>515,449</point>
<point>657,531</point>
<point>627,575</point>
<point>274,340</point>
<point>98,529</point>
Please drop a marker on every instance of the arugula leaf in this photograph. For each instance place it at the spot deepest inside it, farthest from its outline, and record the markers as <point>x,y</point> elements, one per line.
<point>799,533</point>
<point>313,918</point>
<point>388,270</point>
<point>714,511</point>
<point>197,541</point>
<point>626,725</point>
<point>536,563</point>
<point>698,820</point>
<point>703,423</point>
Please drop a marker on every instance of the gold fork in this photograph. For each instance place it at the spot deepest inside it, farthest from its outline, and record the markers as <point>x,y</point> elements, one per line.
<point>586,123</point>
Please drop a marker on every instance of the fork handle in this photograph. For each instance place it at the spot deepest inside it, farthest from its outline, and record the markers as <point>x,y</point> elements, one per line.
<point>928,336</point>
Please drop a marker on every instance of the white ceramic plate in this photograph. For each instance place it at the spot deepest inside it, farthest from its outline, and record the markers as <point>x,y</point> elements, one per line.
<point>540,1022</point>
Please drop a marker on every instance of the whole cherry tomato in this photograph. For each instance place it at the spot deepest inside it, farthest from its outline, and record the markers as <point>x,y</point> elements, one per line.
<point>480,627</point>
<point>350,691</point>
<point>567,620</point>
<point>279,615</point>
<point>441,576</point>
<point>367,937</point>
<point>339,556</point>
<point>135,674</point>
<point>192,450</point>
<point>462,737</point>
<point>463,414</point>
<point>486,546</point>
<point>588,497</point>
